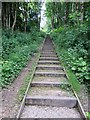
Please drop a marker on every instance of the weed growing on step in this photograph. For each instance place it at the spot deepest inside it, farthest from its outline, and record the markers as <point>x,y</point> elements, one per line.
<point>66,87</point>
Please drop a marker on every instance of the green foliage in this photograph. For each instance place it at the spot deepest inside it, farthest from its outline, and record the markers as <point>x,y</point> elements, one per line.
<point>74,18</point>
<point>72,78</point>
<point>73,46</point>
<point>88,115</point>
<point>17,49</point>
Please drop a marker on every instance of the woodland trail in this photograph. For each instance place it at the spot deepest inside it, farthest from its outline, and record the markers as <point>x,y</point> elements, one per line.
<point>50,95</point>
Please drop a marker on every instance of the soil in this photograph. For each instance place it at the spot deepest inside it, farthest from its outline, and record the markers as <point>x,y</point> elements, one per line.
<point>49,91</point>
<point>84,97</point>
<point>10,105</point>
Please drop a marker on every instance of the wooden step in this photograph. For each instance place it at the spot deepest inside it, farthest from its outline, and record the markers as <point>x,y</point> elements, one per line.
<point>51,101</point>
<point>48,84</point>
<point>51,50</point>
<point>48,55</point>
<point>49,67</point>
<point>48,62</point>
<point>37,112</point>
<point>50,79</point>
<point>47,52</point>
<point>55,74</point>
<point>48,58</point>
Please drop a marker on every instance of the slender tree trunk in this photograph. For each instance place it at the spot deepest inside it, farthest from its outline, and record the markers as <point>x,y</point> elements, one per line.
<point>25,17</point>
<point>9,19</point>
<point>25,27</point>
<point>13,26</point>
<point>82,12</point>
<point>7,15</point>
<point>0,14</point>
<point>52,22</point>
<point>67,12</point>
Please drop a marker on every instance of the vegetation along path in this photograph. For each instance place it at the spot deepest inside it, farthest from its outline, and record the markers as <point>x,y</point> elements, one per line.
<point>49,94</point>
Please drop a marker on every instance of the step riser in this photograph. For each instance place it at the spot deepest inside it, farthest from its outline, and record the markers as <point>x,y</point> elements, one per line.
<point>48,55</point>
<point>49,75</point>
<point>48,51</point>
<point>43,52</point>
<point>45,63</point>
<point>49,59</point>
<point>48,85</point>
<point>49,68</point>
<point>51,102</point>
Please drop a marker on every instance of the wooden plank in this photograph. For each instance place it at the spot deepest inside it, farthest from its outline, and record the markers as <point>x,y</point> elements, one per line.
<point>48,62</point>
<point>54,67</point>
<point>51,101</point>
<point>48,84</point>
<point>51,74</point>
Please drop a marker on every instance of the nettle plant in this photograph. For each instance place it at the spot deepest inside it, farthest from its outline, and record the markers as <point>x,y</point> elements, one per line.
<point>80,67</point>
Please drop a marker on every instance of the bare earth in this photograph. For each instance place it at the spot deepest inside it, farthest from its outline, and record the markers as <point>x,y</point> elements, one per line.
<point>10,105</point>
<point>84,98</point>
<point>49,112</point>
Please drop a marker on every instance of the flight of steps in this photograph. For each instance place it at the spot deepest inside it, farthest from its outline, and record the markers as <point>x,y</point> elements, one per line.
<point>50,95</point>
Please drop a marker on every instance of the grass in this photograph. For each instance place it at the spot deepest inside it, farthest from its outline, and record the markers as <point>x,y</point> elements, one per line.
<point>73,80</point>
<point>66,87</point>
<point>88,115</point>
<point>71,77</point>
<point>27,80</point>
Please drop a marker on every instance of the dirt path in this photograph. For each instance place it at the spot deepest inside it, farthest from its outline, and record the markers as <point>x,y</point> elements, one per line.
<point>9,96</point>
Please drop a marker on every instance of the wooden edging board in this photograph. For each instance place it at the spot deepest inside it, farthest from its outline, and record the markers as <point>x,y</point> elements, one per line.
<point>32,75</point>
<point>78,101</point>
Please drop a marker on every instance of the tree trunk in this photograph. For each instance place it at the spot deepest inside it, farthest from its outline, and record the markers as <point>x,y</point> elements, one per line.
<point>52,22</point>
<point>82,11</point>
<point>13,26</point>
<point>25,27</point>
<point>7,15</point>
<point>67,12</point>
<point>0,14</point>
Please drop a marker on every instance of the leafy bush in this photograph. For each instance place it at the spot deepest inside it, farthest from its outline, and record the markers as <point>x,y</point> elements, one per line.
<point>17,49</point>
<point>73,46</point>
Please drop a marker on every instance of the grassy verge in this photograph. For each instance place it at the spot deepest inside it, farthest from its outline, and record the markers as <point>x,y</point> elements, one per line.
<point>71,76</point>
<point>27,80</point>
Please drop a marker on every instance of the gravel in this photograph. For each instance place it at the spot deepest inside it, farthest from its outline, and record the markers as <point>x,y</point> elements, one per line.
<point>84,98</point>
<point>49,112</point>
<point>49,91</point>
<point>50,79</point>
<point>51,71</point>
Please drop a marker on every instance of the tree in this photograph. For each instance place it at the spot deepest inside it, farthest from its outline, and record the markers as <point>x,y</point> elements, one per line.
<point>21,16</point>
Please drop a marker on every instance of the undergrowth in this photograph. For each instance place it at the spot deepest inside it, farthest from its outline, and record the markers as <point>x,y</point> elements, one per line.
<point>18,48</point>
<point>72,44</point>
<point>71,77</point>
